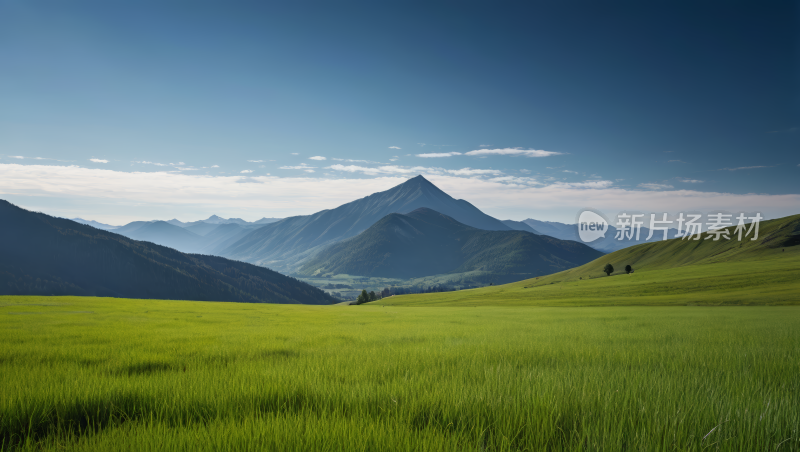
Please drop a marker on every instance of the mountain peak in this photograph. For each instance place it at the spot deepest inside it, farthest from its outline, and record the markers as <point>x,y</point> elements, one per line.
<point>213,217</point>
<point>418,180</point>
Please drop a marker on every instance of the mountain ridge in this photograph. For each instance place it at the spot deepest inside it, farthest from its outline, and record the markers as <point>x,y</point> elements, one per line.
<point>286,243</point>
<point>425,243</point>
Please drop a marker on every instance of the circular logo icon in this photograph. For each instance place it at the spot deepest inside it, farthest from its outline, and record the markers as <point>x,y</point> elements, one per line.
<point>591,226</point>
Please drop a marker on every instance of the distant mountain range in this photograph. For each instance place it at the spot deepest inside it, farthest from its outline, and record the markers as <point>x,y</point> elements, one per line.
<point>212,220</point>
<point>286,244</point>
<point>44,255</point>
<point>607,244</point>
<point>425,242</point>
<point>209,236</point>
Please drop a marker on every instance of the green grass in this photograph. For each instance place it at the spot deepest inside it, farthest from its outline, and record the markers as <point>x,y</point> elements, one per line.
<point>113,374</point>
<point>668,273</point>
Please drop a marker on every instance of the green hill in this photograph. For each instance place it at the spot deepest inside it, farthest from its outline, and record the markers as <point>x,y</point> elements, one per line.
<point>425,242</point>
<point>671,272</point>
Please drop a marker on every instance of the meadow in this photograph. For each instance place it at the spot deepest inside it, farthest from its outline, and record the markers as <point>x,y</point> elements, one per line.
<point>116,374</point>
<point>669,273</point>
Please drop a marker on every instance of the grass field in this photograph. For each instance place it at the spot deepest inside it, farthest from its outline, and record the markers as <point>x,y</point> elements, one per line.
<point>668,273</point>
<point>113,374</point>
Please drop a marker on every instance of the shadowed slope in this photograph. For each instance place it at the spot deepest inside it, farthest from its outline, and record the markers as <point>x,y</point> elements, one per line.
<point>43,255</point>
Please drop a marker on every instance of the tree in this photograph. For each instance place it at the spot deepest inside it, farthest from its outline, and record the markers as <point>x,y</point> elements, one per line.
<point>609,269</point>
<point>628,269</point>
<point>363,298</point>
<point>372,296</point>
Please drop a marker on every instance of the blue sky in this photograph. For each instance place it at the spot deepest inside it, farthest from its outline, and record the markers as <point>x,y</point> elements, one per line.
<point>526,110</point>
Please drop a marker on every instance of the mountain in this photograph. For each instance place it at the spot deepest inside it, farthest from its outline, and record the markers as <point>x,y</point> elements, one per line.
<point>201,227</point>
<point>286,243</point>
<point>95,224</point>
<point>606,244</point>
<point>520,226</point>
<point>222,236</point>
<point>44,255</point>
<point>166,234</point>
<point>425,242</point>
<point>266,220</point>
<point>194,237</point>
<point>213,219</point>
<point>130,227</point>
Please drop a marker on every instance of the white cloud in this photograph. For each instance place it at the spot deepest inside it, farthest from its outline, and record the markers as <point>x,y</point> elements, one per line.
<point>516,180</point>
<point>145,162</point>
<point>16,157</point>
<point>514,151</point>
<point>256,161</point>
<point>473,172</point>
<point>91,160</point>
<point>317,157</point>
<point>353,161</point>
<point>568,171</point>
<point>485,146</point>
<point>690,181</point>
<point>743,168</point>
<point>247,171</point>
<point>596,184</point>
<point>214,166</point>
<point>393,147</point>
<point>309,170</point>
<point>175,194</point>
<point>438,154</point>
<point>302,166</point>
<point>525,171</point>
<point>386,169</point>
<point>656,186</point>
<point>295,153</point>
<point>394,169</point>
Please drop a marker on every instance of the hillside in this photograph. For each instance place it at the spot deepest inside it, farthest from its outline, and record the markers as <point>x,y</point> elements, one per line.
<point>520,226</point>
<point>671,272</point>
<point>222,236</point>
<point>43,255</point>
<point>285,244</point>
<point>95,224</point>
<point>425,242</point>
<point>166,234</point>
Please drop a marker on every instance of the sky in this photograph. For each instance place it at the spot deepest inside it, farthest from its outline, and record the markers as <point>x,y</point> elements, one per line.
<point>123,111</point>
